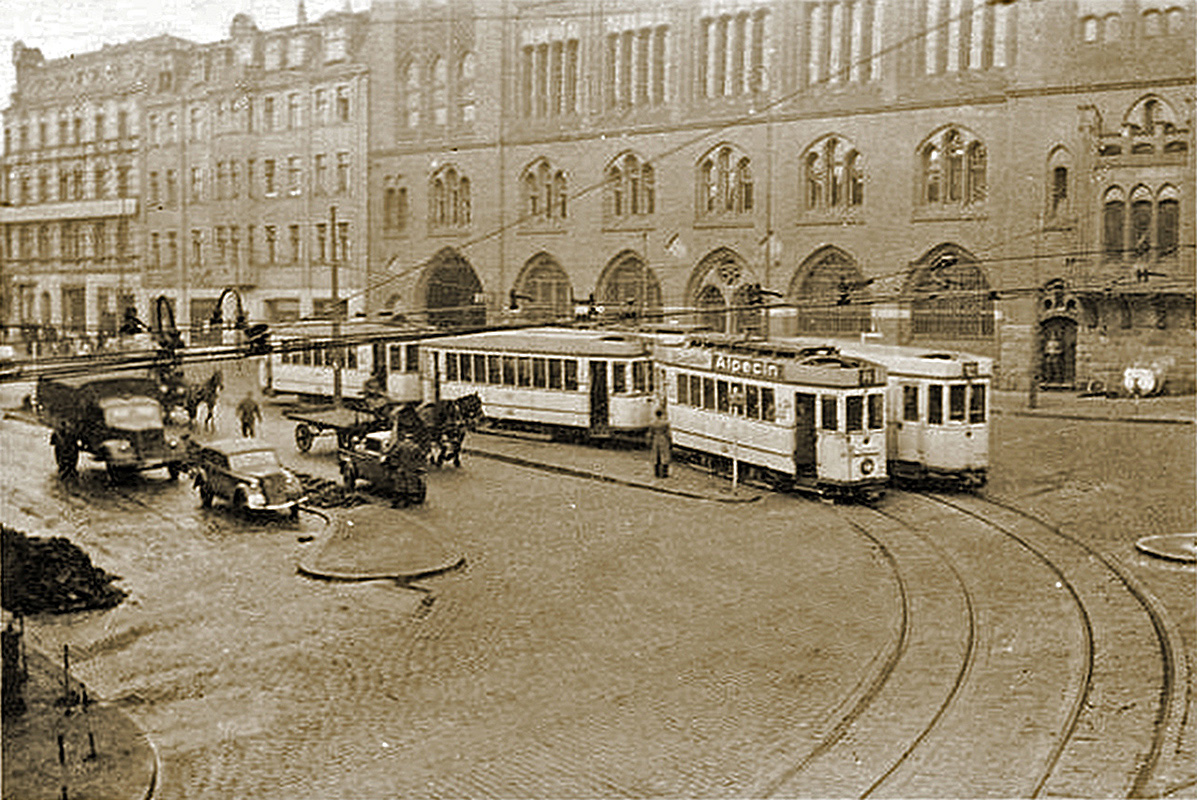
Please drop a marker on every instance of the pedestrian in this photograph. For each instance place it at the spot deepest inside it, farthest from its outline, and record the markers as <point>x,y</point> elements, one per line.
<point>249,413</point>
<point>658,441</point>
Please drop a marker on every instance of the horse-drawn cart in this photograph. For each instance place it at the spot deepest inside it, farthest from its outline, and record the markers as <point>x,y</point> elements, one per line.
<point>347,423</point>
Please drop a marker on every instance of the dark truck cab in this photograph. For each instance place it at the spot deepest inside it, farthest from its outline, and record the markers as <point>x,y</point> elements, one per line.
<point>116,418</point>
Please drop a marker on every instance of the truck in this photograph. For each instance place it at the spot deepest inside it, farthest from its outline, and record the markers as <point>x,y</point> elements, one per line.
<point>114,417</point>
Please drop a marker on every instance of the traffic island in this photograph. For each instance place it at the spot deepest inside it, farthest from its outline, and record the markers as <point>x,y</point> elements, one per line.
<point>372,542</point>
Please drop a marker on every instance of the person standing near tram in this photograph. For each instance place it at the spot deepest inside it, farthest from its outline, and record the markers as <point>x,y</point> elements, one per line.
<point>659,443</point>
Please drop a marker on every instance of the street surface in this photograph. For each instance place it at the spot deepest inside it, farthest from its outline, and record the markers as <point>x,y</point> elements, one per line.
<point>603,640</point>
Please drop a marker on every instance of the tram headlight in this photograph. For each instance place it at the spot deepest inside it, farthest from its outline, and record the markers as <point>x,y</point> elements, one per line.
<point>866,466</point>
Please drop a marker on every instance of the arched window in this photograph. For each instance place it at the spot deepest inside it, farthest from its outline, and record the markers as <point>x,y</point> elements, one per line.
<point>955,166</point>
<point>545,289</point>
<point>725,183</point>
<point>631,189</point>
<point>544,192</point>
<point>394,207</point>
<point>629,284</point>
<point>1168,222</point>
<point>830,295</point>
<point>950,297</point>
<point>1141,214</point>
<point>1176,20</point>
<point>1089,29</point>
<point>440,92</point>
<point>1113,223</point>
<point>833,175</point>
<point>413,96</point>
<point>1152,23</point>
<point>448,199</point>
<point>1112,27</point>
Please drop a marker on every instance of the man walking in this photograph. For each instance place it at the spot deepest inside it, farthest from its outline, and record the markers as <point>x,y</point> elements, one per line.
<point>249,414</point>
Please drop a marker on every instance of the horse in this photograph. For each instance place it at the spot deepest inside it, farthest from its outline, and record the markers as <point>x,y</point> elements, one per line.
<point>203,394</point>
<point>448,421</point>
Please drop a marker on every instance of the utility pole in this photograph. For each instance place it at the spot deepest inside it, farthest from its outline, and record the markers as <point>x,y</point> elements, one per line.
<point>336,307</point>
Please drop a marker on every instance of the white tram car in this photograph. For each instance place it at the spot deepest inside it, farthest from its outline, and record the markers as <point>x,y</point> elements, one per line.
<point>810,418</point>
<point>301,361</point>
<point>938,417</point>
<point>597,383</point>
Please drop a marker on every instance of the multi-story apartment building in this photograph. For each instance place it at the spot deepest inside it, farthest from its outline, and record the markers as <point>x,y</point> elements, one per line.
<point>1014,177</point>
<point>69,188</point>
<point>177,169</point>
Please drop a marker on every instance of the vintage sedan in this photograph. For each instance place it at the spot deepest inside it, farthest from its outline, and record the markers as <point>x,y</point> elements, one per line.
<point>247,474</point>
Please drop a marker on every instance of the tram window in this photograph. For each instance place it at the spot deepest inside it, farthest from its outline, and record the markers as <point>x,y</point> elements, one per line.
<point>571,375</point>
<point>508,378</point>
<point>538,376</point>
<point>451,366</point>
<point>708,393</point>
<point>752,401</point>
<point>396,357</point>
<point>307,356</point>
<point>683,390</point>
<point>910,403</point>
<point>876,411</point>
<point>494,370</point>
<point>524,374</point>
<point>956,397</point>
<point>413,358</point>
<point>721,401</point>
<point>976,407</point>
<point>351,358</point>
<point>640,373</point>
<point>619,377</point>
<point>935,404</point>
<point>554,373</point>
<point>854,412</point>
<point>696,391</point>
<point>466,362</point>
<point>648,368</point>
<point>830,418</point>
<point>479,368</point>
<point>768,408</point>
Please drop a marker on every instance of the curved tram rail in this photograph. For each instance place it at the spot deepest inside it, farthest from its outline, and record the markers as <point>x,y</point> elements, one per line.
<point>1072,722</point>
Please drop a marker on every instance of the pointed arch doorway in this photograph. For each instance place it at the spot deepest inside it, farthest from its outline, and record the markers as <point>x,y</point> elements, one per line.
<point>452,291</point>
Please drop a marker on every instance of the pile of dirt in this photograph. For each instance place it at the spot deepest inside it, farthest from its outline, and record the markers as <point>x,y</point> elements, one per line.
<point>324,493</point>
<point>52,575</point>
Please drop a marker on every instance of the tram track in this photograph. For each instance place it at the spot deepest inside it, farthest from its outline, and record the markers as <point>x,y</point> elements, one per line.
<point>1111,600</point>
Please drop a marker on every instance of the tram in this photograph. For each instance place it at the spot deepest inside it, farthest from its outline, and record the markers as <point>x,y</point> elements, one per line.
<point>302,360</point>
<point>593,383</point>
<point>938,410</point>
<point>802,417</point>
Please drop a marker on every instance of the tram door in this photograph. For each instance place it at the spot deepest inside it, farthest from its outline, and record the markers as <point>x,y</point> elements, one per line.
<point>804,431</point>
<point>378,361</point>
<point>598,397</point>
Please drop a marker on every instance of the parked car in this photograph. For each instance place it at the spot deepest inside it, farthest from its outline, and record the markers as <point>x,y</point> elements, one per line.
<point>365,458</point>
<point>247,474</point>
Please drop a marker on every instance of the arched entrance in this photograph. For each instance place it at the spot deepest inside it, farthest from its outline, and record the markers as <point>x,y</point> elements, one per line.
<point>545,290</point>
<point>451,290</point>
<point>720,292</point>
<point>830,294</point>
<point>628,284</point>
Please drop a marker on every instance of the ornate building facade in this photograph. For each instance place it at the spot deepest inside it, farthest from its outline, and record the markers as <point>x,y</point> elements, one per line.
<point>991,176</point>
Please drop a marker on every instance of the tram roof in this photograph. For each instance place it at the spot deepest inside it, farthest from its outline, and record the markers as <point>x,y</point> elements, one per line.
<point>907,360</point>
<point>549,341</point>
<point>767,361</point>
<point>323,329</point>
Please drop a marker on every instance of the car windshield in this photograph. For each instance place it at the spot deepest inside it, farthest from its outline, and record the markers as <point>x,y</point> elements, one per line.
<point>255,461</point>
<point>139,414</point>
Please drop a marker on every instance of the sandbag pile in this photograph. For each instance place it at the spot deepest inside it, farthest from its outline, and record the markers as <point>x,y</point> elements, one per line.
<point>52,575</point>
<point>324,493</point>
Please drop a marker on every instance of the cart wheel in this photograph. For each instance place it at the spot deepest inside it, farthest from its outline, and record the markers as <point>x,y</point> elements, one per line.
<point>303,437</point>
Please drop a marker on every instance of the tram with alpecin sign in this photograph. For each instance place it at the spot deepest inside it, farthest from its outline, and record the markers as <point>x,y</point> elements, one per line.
<point>938,410</point>
<point>588,384</point>
<point>795,417</point>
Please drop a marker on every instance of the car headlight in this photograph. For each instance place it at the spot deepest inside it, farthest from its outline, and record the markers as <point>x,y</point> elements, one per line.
<point>866,466</point>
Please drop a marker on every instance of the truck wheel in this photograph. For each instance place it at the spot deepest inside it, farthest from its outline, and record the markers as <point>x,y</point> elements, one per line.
<point>240,501</point>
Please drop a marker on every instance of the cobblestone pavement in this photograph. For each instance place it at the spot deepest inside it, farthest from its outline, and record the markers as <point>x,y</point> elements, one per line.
<point>603,639</point>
